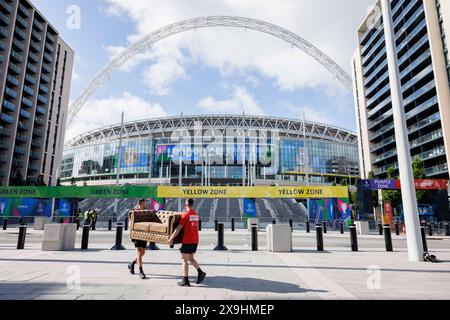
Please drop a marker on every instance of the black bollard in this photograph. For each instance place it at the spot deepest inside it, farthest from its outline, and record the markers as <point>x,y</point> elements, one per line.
<point>126,224</point>
<point>291,224</point>
<point>232,224</point>
<point>152,247</point>
<point>380,229</point>
<point>319,237</point>
<point>308,227</point>
<point>200,225</point>
<point>85,237</point>
<point>353,238</point>
<point>61,220</point>
<point>254,237</point>
<point>397,229</point>
<point>430,229</point>
<point>388,238</point>
<point>109,224</point>
<point>447,229</point>
<point>220,238</point>
<point>341,227</point>
<point>119,232</point>
<point>21,221</point>
<point>424,239</point>
<point>324,227</point>
<point>22,235</point>
<point>274,221</point>
<point>216,222</point>
<point>5,224</point>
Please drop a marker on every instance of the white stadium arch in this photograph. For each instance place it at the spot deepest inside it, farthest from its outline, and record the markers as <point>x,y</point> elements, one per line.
<point>208,22</point>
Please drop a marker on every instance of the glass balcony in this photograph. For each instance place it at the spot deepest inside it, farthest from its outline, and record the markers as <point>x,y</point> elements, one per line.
<point>9,105</point>
<point>377,60</point>
<point>370,53</point>
<point>42,99</point>
<point>424,122</point>
<point>4,145</point>
<point>17,56</point>
<point>18,163</point>
<point>21,34</point>
<point>24,10</point>
<point>27,102</point>
<point>35,46</point>
<point>25,114</point>
<point>48,57</point>
<point>427,138</point>
<point>4,132</point>
<point>37,132</point>
<point>51,38</point>
<point>38,25</point>
<point>5,5</point>
<point>413,50</point>
<point>2,45</point>
<point>36,36</point>
<point>386,128</point>
<point>35,156</point>
<point>384,116</point>
<point>370,90</point>
<point>45,78</point>
<point>28,90</point>
<point>439,169</point>
<point>424,106</point>
<point>21,138</point>
<point>381,92</point>
<point>49,47</point>
<point>385,156</point>
<point>3,32</point>
<point>33,168</point>
<point>30,79</point>
<point>410,21</point>
<point>40,110</point>
<point>22,21</point>
<point>429,86</point>
<point>12,80</point>
<point>405,12</point>
<point>436,152</point>
<point>14,68</point>
<point>22,126</point>
<point>10,93</point>
<point>6,118</point>
<point>416,62</point>
<point>417,78</point>
<point>411,36</point>
<point>380,107</point>
<point>35,144</point>
<point>18,45</point>
<point>366,47</point>
<point>34,57</point>
<point>384,169</point>
<point>32,68</point>
<point>382,144</point>
<point>43,88</point>
<point>4,19</point>
<point>39,121</point>
<point>46,67</point>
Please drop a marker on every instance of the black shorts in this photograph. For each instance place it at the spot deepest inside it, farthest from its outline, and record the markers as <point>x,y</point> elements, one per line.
<point>140,244</point>
<point>188,248</point>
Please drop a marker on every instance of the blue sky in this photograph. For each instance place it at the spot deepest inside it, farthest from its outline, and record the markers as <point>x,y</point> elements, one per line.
<point>210,70</point>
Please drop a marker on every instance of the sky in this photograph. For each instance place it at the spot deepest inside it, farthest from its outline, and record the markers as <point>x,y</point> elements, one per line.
<point>208,71</point>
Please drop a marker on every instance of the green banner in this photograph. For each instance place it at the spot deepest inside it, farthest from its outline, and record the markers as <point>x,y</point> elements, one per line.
<point>78,192</point>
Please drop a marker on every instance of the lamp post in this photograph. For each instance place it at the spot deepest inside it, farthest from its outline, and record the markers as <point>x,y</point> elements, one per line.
<point>414,240</point>
<point>119,160</point>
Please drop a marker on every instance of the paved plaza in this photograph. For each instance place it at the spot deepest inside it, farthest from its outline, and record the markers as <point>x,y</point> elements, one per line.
<point>239,273</point>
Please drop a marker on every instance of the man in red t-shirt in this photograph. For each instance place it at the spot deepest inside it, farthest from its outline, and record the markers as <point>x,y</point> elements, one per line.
<point>189,221</point>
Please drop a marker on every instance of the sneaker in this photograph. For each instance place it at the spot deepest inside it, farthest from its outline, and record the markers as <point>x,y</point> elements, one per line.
<point>131,267</point>
<point>184,283</point>
<point>201,277</point>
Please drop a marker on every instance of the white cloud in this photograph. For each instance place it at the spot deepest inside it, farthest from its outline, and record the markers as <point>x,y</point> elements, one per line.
<point>104,112</point>
<point>240,101</point>
<point>310,113</point>
<point>330,25</point>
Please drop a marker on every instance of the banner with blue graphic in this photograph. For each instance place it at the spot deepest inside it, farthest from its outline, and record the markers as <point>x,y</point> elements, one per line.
<point>250,208</point>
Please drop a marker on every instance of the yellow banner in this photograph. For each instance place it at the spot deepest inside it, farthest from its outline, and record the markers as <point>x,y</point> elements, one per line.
<point>253,192</point>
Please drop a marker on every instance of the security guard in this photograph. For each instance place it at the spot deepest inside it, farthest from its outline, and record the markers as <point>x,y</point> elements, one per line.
<point>87,217</point>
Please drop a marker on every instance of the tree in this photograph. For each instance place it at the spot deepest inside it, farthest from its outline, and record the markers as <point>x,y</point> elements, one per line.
<point>423,196</point>
<point>40,181</point>
<point>344,183</point>
<point>85,183</point>
<point>58,182</point>
<point>392,196</point>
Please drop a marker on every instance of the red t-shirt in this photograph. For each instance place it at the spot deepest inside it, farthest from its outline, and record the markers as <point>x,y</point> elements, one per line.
<point>189,221</point>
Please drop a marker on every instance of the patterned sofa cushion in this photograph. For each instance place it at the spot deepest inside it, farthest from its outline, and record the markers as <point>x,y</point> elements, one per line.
<point>158,227</point>
<point>142,226</point>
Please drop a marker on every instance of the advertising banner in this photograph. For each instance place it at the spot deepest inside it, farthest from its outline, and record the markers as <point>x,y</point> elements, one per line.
<point>23,207</point>
<point>78,192</point>
<point>329,209</point>
<point>250,208</point>
<point>131,158</point>
<point>420,184</point>
<point>259,192</point>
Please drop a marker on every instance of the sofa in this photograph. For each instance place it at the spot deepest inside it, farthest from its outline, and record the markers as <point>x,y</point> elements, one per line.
<point>154,226</point>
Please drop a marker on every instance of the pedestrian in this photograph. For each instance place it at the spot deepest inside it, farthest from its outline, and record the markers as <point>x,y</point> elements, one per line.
<point>87,217</point>
<point>80,215</point>
<point>189,224</point>
<point>140,246</point>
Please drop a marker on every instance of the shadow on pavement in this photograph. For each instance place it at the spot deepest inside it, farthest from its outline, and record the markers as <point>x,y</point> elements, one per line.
<point>252,284</point>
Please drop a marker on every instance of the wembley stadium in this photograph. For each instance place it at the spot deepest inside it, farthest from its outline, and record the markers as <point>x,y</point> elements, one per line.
<point>212,150</point>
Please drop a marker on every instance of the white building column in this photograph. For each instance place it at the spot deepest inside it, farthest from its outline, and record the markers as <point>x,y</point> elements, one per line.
<point>414,240</point>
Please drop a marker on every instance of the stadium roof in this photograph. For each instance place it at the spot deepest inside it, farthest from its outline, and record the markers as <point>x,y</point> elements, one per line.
<point>163,127</point>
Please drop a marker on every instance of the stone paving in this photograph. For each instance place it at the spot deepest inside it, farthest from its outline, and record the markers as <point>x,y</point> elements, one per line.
<point>336,273</point>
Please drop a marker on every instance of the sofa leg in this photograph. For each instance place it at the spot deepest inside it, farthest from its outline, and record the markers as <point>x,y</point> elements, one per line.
<point>152,246</point>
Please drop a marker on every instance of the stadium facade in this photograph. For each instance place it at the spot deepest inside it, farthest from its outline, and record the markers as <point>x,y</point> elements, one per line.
<point>212,149</point>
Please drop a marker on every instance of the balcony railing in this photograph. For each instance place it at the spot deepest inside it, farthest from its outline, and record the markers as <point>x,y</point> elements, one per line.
<point>43,88</point>
<point>22,35</point>
<point>9,105</point>
<point>439,169</point>
<point>28,90</point>
<point>11,93</point>
<point>425,122</point>
<point>27,102</point>
<point>6,118</point>
<point>32,68</point>
<point>427,138</point>
<point>42,99</point>
<point>25,114</point>
<point>5,5</point>
<point>30,79</point>
<point>12,80</point>
<point>24,10</point>
<point>4,132</point>
<point>40,110</point>
<point>14,68</point>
